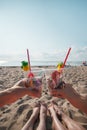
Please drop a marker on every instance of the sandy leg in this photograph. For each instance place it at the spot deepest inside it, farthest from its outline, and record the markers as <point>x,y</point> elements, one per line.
<point>70,124</point>
<point>57,124</point>
<point>30,123</point>
<point>43,113</point>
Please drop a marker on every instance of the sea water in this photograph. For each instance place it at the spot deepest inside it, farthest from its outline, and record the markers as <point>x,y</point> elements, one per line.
<point>40,63</point>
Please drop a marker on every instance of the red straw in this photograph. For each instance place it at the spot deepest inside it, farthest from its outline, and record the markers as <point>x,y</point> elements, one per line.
<point>66,58</point>
<point>28,59</point>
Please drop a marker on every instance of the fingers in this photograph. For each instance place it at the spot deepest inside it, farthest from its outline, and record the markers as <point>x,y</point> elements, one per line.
<point>51,84</point>
<point>61,85</point>
<point>56,92</point>
<point>61,91</point>
<point>33,82</point>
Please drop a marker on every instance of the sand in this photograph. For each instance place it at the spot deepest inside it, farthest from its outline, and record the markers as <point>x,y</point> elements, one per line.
<point>15,115</point>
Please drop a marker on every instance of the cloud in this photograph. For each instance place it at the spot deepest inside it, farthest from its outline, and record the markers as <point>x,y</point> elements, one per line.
<point>2,62</point>
<point>79,54</point>
<point>57,55</point>
<point>82,50</point>
<point>76,54</point>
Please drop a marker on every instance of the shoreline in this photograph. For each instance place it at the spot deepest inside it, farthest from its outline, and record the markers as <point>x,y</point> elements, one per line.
<point>42,66</point>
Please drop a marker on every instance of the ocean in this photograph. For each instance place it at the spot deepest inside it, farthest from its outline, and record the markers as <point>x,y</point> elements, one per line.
<point>40,63</point>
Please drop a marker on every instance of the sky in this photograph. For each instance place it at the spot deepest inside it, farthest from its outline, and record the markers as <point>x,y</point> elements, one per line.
<point>46,27</point>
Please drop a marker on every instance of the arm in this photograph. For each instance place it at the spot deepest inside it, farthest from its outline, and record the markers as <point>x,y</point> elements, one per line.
<point>11,95</point>
<point>19,90</point>
<point>70,94</point>
<point>77,100</point>
<point>8,96</point>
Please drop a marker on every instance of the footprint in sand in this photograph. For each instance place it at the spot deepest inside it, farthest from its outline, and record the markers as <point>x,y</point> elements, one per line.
<point>22,108</point>
<point>3,128</point>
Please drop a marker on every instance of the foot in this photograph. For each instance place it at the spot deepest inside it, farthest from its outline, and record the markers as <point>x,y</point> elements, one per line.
<point>43,110</point>
<point>36,108</point>
<point>30,123</point>
<point>56,121</point>
<point>57,108</point>
<point>71,124</point>
<point>51,109</point>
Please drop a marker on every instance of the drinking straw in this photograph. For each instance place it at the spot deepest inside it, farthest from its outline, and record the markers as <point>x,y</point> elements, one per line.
<point>66,58</point>
<point>28,59</point>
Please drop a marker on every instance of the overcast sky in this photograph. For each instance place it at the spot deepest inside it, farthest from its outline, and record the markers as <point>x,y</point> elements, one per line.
<point>46,27</point>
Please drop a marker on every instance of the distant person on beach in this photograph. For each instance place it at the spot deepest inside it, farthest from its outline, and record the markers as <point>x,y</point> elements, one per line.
<point>84,63</point>
<point>20,89</point>
<point>57,118</point>
<point>67,91</point>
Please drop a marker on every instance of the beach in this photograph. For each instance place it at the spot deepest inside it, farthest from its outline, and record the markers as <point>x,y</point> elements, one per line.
<point>15,115</point>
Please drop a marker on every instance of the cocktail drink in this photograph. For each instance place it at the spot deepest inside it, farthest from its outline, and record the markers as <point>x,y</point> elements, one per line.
<point>56,76</point>
<point>55,80</point>
<point>35,77</point>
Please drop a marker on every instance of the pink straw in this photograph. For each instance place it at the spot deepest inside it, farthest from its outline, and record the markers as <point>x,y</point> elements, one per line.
<point>28,59</point>
<point>66,58</point>
<point>55,75</point>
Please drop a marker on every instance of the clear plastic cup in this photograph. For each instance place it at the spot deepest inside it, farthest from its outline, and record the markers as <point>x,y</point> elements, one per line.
<point>53,78</point>
<point>38,72</point>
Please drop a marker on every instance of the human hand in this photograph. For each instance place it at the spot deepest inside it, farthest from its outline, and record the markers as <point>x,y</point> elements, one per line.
<point>31,87</point>
<point>20,89</point>
<point>65,90</point>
